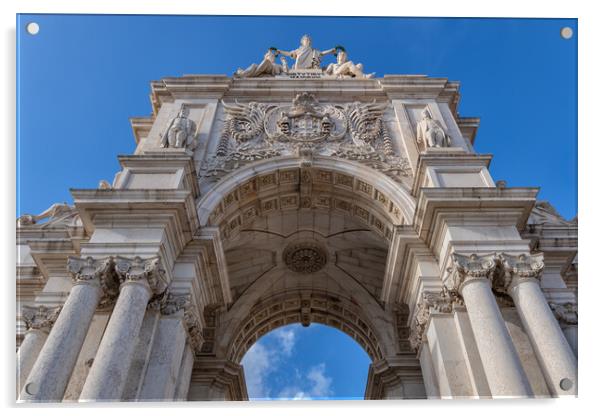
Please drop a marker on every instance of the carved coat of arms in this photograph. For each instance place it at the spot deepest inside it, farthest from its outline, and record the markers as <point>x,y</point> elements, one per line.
<point>354,131</point>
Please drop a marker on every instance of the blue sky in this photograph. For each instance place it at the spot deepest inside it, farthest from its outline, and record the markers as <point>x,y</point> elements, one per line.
<point>304,363</point>
<point>83,76</point>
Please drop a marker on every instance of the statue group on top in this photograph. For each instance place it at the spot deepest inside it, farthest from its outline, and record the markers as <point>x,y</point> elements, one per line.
<point>307,60</point>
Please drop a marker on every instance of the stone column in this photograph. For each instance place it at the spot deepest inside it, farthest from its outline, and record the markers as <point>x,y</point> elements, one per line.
<point>472,278</point>
<point>139,280</point>
<point>566,314</point>
<point>50,374</point>
<point>554,353</point>
<point>38,321</point>
<point>184,374</point>
<point>173,333</point>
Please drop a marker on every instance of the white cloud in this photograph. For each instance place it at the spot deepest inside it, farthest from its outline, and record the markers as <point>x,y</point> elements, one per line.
<point>287,339</point>
<point>318,385</point>
<point>256,363</point>
<point>321,383</point>
<point>264,357</point>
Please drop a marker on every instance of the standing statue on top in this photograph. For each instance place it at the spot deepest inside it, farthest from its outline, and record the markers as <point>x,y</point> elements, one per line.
<point>305,56</point>
<point>180,132</point>
<point>431,132</point>
<point>307,63</point>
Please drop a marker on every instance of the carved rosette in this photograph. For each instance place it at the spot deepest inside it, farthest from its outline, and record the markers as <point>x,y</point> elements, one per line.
<point>442,302</point>
<point>304,258</point>
<point>39,317</point>
<point>468,268</point>
<point>138,269</point>
<point>565,313</point>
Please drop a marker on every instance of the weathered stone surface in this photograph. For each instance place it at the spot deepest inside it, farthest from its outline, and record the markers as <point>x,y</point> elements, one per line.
<point>301,191</point>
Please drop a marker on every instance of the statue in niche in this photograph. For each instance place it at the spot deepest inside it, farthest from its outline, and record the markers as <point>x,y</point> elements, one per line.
<point>267,67</point>
<point>431,132</point>
<point>345,68</point>
<point>180,132</point>
<point>305,56</point>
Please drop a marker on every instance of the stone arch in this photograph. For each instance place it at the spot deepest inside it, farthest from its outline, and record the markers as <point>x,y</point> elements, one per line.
<point>358,189</point>
<point>305,307</point>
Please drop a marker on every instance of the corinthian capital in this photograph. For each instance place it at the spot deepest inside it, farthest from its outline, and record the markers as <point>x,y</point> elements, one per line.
<point>88,269</point>
<point>566,313</point>
<point>39,317</point>
<point>137,269</point>
<point>442,302</point>
<point>523,266</point>
<point>472,267</point>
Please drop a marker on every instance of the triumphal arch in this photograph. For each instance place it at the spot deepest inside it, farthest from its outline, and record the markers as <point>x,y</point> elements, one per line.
<point>297,191</point>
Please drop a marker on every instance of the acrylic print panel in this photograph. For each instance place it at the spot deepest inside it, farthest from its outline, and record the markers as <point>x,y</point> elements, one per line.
<point>208,210</point>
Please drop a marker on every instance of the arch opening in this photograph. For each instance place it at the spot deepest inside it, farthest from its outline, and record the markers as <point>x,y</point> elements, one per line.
<point>294,362</point>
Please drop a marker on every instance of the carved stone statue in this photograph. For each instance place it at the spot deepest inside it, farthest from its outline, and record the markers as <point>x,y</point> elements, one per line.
<point>54,211</point>
<point>345,68</point>
<point>267,67</point>
<point>305,56</point>
<point>431,132</point>
<point>180,132</point>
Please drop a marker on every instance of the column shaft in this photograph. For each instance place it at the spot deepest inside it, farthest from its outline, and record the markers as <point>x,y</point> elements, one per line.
<point>161,376</point>
<point>28,353</point>
<point>501,363</point>
<point>50,374</point>
<point>184,374</point>
<point>109,371</point>
<point>554,353</point>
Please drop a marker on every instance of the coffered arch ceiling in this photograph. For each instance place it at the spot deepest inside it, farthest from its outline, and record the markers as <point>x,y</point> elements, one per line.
<point>316,235</point>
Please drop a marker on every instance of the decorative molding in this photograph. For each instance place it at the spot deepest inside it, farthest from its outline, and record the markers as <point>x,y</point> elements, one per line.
<point>39,317</point>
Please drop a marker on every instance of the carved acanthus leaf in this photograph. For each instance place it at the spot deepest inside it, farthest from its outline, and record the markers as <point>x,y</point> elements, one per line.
<point>466,268</point>
<point>566,313</point>
<point>442,302</point>
<point>39,317</point>
<point>136,269</point>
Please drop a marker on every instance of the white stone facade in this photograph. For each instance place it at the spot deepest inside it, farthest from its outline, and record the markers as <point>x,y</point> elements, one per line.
<point>313,195</point>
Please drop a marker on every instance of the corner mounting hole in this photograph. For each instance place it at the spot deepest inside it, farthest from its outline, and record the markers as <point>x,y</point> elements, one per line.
<point>566,32</point>
<point>32,28</point>
<point>566,384</point>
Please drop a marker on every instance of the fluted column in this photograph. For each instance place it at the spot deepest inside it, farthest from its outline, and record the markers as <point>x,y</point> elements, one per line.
<point>38,321</point>
<point>50,374</point>
<point>472,276</point>
<point>554,353</point>
<point>139,280</point>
